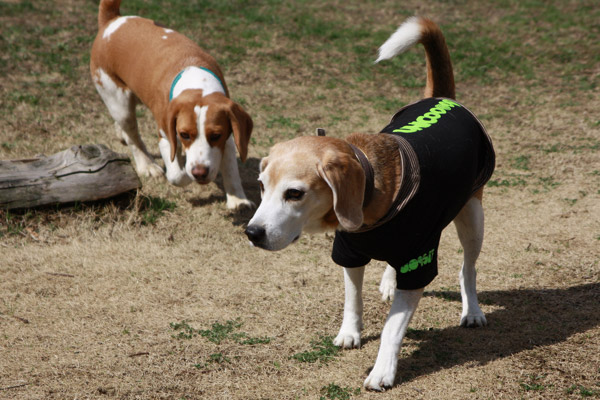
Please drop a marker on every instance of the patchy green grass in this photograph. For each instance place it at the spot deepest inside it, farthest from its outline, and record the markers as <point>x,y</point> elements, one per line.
<point>323,351</point>
<point>286,126</point>
<point>521,162</point>
<point>583,391</point>
<point>152,208</point>
<point>218,333</point>
<point>548,183</point>
<point>336,392</point>
<point>509,181</point>
<point>12,224</point>
<point>215,358</point>
<point>534,384</point>
<point>532,387</point>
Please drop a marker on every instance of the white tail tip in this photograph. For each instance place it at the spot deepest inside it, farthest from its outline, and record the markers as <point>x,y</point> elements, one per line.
<point>407,35</point>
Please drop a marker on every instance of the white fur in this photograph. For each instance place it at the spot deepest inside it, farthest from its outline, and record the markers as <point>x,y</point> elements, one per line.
<point>387,287</point>
<point>201,153</point>
<point>116,99</point>
<point>349,334</point>
<point>469,226</point>
<point>403,308</point>
<point>197,78</point>
<point>116,24</point>
<point>176,173</point>
<point>232,182</point>
<point>121,106</point>
<point>282,220</point>
<point>407,35</point>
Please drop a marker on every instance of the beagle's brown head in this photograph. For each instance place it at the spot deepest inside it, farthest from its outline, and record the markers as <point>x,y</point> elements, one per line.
<point>203,124</point>
<point>308,184</point>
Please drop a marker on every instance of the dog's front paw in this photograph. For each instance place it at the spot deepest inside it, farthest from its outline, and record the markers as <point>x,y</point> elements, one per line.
<point>473,320</point>
<point>347,339</point>
<point>380,379</point>
<point>236,203</point>
<point>151,170</point>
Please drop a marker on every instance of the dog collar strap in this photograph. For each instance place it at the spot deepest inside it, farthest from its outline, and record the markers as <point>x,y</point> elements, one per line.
<point>203,70</point>
<point>409,183</point>
<point>369,174</point>
<point>410,180</point>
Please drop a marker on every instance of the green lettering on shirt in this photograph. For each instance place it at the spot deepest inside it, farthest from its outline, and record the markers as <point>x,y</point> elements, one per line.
<point>420,261</point>
<point>429,118</point>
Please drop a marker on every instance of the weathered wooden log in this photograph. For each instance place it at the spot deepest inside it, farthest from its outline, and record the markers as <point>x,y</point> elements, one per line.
<point>81,173</point>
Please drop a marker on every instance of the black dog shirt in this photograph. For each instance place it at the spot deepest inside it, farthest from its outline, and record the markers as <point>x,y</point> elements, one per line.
<point>447,156</point>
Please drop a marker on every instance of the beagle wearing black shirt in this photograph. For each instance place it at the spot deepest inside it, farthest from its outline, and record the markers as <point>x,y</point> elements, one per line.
<point>388,196</point>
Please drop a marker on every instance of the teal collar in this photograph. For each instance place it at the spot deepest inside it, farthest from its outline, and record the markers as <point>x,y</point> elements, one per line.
<point>180,74</point>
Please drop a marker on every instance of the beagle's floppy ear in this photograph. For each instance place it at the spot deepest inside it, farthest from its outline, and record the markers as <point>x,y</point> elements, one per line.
<point>242,125</point>
<point>172,111</point>
<point>346,178</point>
<point>263,164</point>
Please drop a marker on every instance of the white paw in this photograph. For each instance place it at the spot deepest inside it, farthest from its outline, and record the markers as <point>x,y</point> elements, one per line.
<point>380,379</point>
<point>387,287</point>
<point>178,177</point>
<point>236,203</point>
<point>347,339</point>
<point>152,170</point>
<point>473,320</point>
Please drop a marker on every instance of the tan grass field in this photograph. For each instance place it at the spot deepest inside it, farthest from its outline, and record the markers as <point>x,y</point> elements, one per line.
<point>98,300</point>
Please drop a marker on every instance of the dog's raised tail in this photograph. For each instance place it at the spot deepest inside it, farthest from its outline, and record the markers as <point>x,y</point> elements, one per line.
<point>107,10</point>
<point>440,77</point>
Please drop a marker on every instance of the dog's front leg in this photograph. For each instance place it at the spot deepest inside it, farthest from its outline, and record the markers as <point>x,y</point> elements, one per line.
<point>349,335</point>
<point>175,174</point>
<point>236,198</point>
<point>403,308</point>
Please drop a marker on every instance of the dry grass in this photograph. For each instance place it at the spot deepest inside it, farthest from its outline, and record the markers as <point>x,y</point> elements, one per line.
<point>89,293</point>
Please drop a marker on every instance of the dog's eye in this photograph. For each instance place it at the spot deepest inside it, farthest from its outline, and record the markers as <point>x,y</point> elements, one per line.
<point>262,187</point>
<point>294,194</point>
<point>214,137</point>
<point>184,135</point>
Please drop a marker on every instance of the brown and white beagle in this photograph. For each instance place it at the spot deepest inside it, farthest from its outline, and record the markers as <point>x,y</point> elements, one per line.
<point>388,196</point>
<point>137,60</point>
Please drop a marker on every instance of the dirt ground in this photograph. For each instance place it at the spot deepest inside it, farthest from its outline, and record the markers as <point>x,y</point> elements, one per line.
<point>159,295</point>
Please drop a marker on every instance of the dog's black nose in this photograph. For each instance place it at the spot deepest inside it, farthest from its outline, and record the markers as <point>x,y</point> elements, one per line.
<point>200,173</point>
<point>255,233</point>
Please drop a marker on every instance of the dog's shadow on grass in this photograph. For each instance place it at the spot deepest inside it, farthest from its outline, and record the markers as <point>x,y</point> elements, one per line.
<point>249,177</point>
<point>528,319</point>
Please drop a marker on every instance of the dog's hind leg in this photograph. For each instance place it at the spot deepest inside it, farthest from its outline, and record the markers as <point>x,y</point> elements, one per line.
<point>144,162</point>
<point>121,102</point>
<point>469,226</point>
<point>387,287</point>
<point>403,308</point>
<point>349,334</point>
